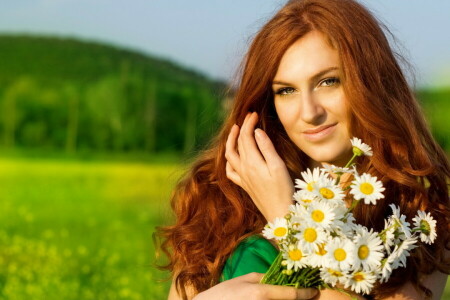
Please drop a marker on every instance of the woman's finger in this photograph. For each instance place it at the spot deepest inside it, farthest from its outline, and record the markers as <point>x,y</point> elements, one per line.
<point>277,291</point>
<point>252,277</point>
<point>286,292</point>
<point>306,293</point>
<point>268,151</point>
<point>233,175</point>
<point>247,143</point>
<point>240,142</point>
<point>230,148</point>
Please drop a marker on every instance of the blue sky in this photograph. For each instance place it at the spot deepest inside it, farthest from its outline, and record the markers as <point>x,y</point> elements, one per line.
<point>212,35</point>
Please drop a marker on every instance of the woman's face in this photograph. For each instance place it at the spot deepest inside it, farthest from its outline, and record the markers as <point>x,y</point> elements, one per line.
<point>310,101</point>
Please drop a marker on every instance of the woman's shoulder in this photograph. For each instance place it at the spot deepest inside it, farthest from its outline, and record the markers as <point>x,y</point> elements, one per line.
<point>253,254</point>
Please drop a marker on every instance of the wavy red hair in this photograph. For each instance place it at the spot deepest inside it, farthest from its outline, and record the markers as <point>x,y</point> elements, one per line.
<point>213,214</point>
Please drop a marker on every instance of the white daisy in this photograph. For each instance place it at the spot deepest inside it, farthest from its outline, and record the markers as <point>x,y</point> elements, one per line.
<point>332,169</point>
<point>359,148</point>
<point>345,221</point>
<point>368,188</point>
<point>304,197</point>
<point>341,211</point>
<point>310,237</point>
<point>385,270</point>
<point>341,229</point>
<point>294,256</point>
<point>277,230</point>
<point>327,191</point>
<point>427,226</point>
<point>402,229</point>
<point>395,210</point>
<point>339,252</point>
<point>359,229</point>
<point>368,250</point>
<point>333,276</point>
<point>297,211</point>
<point>309,179</point>
<point>320,214</point>
<point>401,252</point>
<point>361,281</point>
<point>388,236</point>
<point>316,259</point>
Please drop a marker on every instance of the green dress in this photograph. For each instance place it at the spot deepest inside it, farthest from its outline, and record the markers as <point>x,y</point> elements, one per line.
<point>254,254</point>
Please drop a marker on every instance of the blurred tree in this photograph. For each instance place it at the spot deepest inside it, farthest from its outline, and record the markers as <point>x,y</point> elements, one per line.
<point>71,95</point>
<point>17,92</point>
<point>73,98</point>
<point>191,101</point>
<point>150,112</point>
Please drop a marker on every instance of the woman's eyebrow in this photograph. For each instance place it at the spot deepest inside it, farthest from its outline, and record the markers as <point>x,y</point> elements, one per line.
<point>319,74</point>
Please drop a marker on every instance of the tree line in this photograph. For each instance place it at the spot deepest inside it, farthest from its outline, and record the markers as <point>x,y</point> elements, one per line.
<point>72,95</point>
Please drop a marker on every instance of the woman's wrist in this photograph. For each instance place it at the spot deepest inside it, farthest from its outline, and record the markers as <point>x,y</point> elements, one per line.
<point>278,211</point>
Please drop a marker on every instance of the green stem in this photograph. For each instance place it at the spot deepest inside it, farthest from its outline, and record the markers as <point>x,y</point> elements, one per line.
<point>354,204</point>
<point>351,161</point>
<point>274,269</point>
<point>338,179</point>
<point>385,230</point>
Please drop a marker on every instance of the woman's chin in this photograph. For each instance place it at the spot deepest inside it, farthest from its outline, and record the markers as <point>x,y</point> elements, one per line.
<point>319,161</point>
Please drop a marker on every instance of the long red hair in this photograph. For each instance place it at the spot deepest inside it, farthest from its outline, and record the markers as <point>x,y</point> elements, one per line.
<point>213,214</point>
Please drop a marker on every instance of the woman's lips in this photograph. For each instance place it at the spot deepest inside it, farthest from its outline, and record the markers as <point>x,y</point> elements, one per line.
<point>319,133</point>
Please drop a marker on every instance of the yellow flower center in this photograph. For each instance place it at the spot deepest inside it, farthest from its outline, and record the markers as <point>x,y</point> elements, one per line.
<point>317,215</point>
<point>307,200</point>
<point>280,231</point>
<point>358,277</point>
<point>363,252</point>
<point>335,272</point>
<point>357,151</point>
<point>366,188</point>
<point>310,235</point>
<point>321,250</point>
<point>425,227</point>
<point>340,254</point>
<point>295,254</point>
<point>309,187</point>
<point>326,193</point>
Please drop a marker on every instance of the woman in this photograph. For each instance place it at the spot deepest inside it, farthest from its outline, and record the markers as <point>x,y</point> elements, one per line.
<point>318,73</point>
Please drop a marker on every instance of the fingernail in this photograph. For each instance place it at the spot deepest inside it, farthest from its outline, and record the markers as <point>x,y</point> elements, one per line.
<point>258,133</point>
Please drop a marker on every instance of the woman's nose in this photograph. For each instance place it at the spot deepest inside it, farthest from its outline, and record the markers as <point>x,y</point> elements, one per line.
<point>311,110</point>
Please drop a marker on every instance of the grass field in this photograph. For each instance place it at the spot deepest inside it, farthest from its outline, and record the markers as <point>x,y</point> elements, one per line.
<point>82,230</point>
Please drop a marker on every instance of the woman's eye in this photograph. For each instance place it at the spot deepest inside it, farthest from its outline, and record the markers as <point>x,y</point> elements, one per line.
<point>330,81</point>
<point>285,91</point>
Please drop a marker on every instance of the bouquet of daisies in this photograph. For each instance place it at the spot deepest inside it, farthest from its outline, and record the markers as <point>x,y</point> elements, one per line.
<point>322,246</point>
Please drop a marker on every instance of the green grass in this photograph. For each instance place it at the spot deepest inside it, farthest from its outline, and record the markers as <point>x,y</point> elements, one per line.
<point>81,230</point>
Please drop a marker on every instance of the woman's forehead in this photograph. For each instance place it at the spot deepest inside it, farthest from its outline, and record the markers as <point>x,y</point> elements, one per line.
<point>307,57</point>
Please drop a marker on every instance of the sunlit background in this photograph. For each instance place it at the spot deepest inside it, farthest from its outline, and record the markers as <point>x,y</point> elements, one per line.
<point>102,105</point>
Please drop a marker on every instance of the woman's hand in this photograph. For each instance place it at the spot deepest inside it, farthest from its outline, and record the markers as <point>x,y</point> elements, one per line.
<point>255,166</point>
<point>247,287</point>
